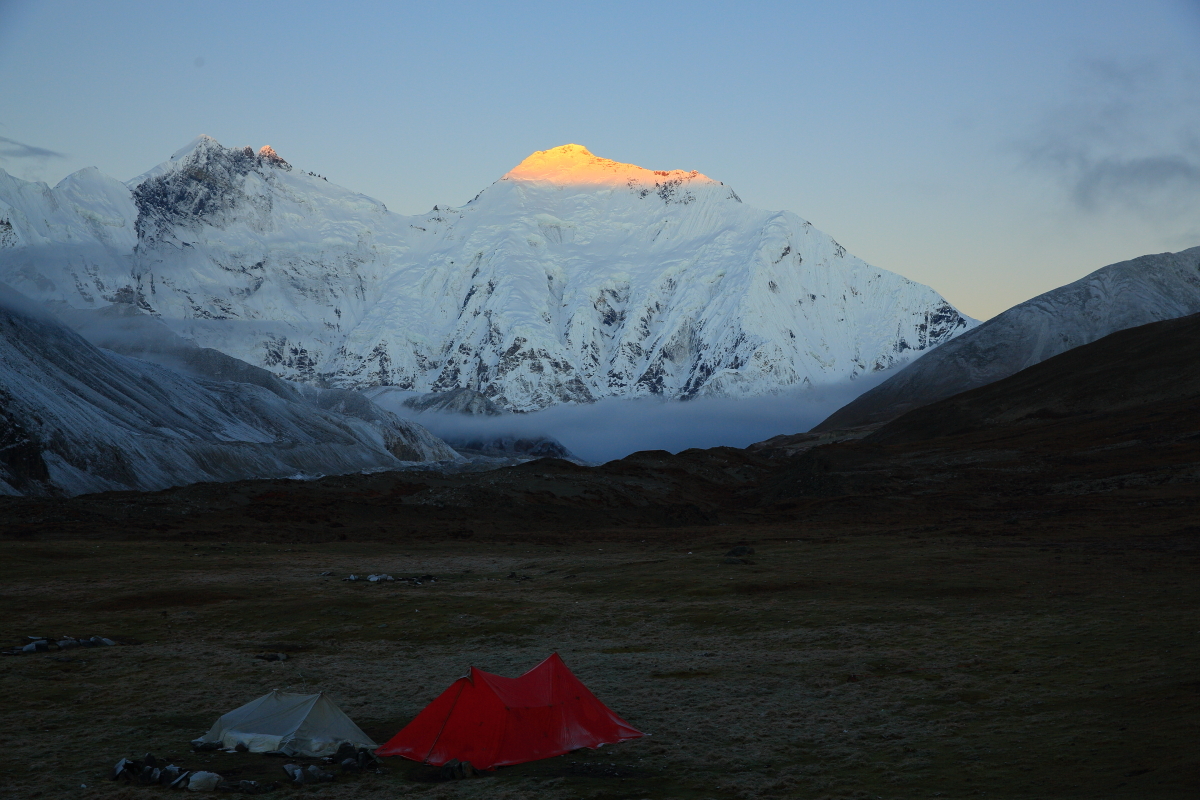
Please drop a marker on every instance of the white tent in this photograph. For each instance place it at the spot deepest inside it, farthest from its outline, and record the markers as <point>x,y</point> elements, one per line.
<point>296,724</point>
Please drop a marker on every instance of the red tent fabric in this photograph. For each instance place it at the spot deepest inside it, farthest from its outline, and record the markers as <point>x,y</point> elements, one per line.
<point>492,721</point>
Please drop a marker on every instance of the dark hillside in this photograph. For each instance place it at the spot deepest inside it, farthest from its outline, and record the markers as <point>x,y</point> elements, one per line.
<point>1141,291</point>
<point>1136,367</point>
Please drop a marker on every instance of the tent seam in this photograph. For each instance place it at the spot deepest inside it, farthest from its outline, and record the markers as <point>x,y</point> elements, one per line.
<point>445,722</point>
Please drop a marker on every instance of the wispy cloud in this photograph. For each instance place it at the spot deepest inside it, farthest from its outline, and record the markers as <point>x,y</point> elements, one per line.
<point>1124,138</point>
<point>11,148</point>
<point>1133,180</point>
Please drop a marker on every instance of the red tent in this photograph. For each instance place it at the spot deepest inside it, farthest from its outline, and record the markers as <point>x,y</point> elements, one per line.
<point>492,721</point>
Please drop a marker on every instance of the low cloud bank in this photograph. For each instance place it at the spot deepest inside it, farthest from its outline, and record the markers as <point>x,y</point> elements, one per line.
<point>613,428</point>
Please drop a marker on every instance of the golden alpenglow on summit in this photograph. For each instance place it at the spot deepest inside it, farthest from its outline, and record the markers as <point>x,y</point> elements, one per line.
<point>574,164</point>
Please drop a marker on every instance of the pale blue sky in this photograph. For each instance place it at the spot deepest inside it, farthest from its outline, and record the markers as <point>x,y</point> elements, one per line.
<point>991,150</point>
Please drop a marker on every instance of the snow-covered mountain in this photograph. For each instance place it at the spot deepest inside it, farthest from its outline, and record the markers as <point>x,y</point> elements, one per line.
<point>1120,296</point>
<point>570,279</point>
<point>75,418</point>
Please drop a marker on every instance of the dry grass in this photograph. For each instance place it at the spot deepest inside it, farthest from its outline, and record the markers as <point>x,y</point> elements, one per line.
<point>892,665</point>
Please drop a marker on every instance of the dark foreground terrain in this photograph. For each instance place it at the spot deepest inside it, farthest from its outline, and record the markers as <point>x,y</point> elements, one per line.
<point>994,598</point>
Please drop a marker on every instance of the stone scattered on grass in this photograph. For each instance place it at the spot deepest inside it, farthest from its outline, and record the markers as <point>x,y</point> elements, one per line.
<point>383,577</point>
<point>146,771</point>
<point>42,644</point>
<point>203,782</point>
<point>318,775</point>
<point>306,775</point>
<point>120,768</point>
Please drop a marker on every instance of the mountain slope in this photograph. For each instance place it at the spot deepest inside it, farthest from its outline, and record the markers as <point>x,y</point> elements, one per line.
<point>75,418</point>
<point>1136,367</point>
<point>1119,296</point>
<point>571,279</point>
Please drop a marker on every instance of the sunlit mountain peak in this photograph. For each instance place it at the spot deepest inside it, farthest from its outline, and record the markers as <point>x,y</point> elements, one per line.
<point>574,164</point>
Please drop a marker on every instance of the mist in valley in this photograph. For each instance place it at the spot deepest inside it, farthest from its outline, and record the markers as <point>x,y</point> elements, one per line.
<point>613,428</point>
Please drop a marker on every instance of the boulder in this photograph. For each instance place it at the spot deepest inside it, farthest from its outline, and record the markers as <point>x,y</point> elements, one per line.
<point>203,782</point>
<point>120,768</point>
<point>315,774</point>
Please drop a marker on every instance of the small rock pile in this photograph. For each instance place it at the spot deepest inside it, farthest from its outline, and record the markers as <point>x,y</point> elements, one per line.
<point>415,580</point>
<point>42,644</point>
<point>310,774</point>
<point>348,757</point>
<point>146,771</point>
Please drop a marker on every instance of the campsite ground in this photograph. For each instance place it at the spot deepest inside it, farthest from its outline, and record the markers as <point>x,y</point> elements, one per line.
<point>850,660</point>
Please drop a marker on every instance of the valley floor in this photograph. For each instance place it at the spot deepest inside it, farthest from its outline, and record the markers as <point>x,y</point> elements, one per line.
<point>1023,659</point>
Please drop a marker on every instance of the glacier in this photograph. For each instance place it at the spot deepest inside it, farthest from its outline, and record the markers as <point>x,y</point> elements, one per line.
<point>570,279</point>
